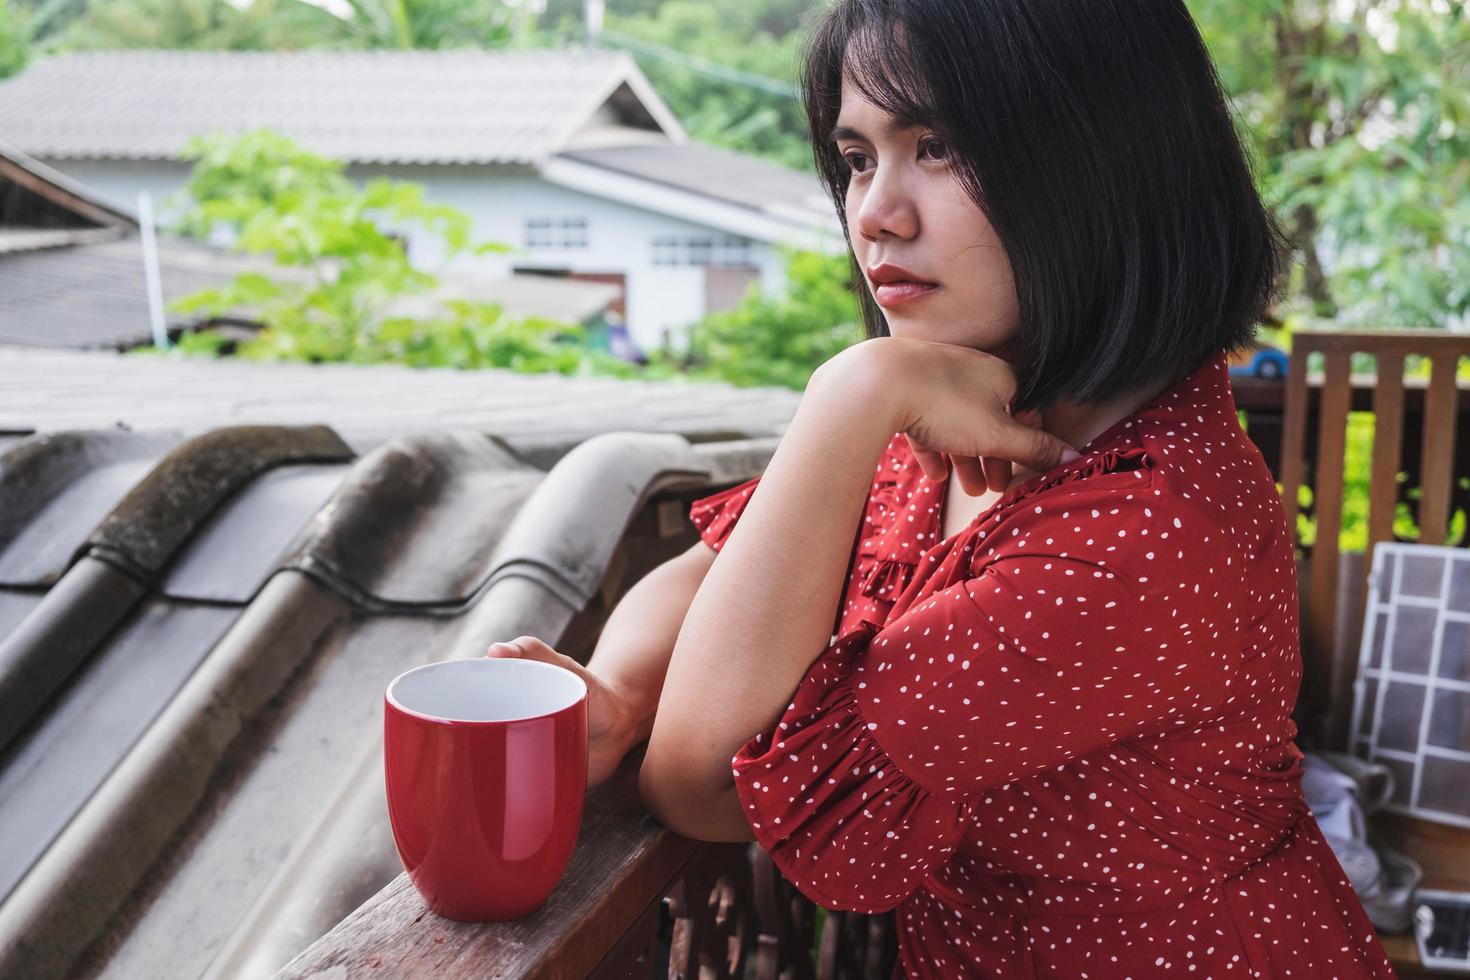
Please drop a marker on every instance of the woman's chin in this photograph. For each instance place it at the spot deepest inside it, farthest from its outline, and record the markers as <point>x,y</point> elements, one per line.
<point>937,334</point>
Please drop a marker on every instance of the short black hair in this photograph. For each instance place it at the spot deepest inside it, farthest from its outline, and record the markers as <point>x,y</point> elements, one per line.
<point>1097,139</point>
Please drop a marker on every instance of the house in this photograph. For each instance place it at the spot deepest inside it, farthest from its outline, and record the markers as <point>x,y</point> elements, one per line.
<point>74,272</point>
<point>567,155</point>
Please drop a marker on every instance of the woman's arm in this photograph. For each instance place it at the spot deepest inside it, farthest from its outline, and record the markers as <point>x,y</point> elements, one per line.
<point>766,608</point>
<point>632,654</point>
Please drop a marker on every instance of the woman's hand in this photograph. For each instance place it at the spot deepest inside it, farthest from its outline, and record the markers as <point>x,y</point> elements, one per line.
<point>953,405</point>
<point>610,722</point>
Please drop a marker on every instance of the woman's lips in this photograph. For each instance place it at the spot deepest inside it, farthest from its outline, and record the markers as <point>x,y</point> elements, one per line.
<point>898,293</point>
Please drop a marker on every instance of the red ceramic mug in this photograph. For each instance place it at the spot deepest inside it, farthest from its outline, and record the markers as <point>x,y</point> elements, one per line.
<point>486,767</point>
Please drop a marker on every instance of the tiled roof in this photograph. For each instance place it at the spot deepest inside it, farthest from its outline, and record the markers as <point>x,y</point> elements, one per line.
<point>457,106</point>
<point>85,295</point>
<point>198,617</point>
<point>740,178</point>
<point>93,294</point>
<point>51,390</point>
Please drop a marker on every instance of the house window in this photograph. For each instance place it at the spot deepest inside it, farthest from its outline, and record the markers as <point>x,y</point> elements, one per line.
<point>574,232</point>
<point>665,250</point>
<point>561,233</point>
<point>733,251</point>
<point>700,250</point>
<point>538,232</point>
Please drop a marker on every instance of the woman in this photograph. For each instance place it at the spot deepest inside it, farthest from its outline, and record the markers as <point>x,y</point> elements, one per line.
<point>1046,719</point>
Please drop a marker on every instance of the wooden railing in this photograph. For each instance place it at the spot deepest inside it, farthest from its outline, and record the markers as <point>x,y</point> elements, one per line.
<point>634,889</point>
<point>727,909</point>
<point>1430,410</point>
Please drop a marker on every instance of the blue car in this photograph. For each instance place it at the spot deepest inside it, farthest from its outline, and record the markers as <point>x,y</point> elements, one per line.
<point>1262,361</point>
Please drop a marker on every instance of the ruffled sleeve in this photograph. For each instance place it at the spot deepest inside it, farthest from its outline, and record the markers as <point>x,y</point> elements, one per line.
<point>866,784</point>
<point>844,824</point>
<point>715,516</point>
<point>886,577</point>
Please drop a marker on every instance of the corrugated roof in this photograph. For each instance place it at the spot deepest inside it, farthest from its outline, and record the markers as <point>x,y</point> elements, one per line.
<point>48,390</point>
<point>197,623</point>
<point>742,179</point>
<point>197,789</point>
<point>457,106</point>
<point>94,295</point>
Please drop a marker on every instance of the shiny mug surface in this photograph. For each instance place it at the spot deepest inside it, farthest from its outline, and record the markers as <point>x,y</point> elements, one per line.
<point>485,762</point>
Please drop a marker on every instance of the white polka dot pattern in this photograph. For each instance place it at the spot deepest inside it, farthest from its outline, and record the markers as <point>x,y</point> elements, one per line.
<point>1059,742</point>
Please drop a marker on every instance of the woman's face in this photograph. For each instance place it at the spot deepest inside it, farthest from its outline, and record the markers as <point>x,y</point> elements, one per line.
<point>906,207</point>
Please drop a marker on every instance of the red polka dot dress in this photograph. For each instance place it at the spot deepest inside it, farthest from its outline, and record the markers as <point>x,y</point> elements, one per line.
<point>1059,743</point>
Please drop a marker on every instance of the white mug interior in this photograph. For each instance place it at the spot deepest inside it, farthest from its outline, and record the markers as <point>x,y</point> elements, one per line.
<point>486,689</point>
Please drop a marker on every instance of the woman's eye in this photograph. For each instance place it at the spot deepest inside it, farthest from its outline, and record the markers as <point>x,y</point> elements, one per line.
<point>924,147</point>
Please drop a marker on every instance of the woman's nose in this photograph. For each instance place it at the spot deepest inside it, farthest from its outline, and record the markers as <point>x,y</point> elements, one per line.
<point>887,206</point>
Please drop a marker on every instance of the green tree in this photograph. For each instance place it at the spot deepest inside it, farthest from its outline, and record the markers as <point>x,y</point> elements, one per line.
<point>776,340</point>
<point>1359,118</point>
<point>758,114</point>
<point>347,267</point>
<point>417,24</point>
<point>208,25</point>
<point>14,39</point>
<point>28,29</point>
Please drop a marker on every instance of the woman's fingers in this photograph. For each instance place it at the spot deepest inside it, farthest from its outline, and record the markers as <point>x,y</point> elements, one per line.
<point>971,476</point>
<point>997,472</point>
<point>1034,448</point>
<point>1019,439</point>
<point>1022,440</point>
<point>934,464</point>
<point>530,648</point>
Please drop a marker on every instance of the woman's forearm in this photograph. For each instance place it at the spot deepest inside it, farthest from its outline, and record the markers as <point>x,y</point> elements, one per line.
<point>765,611</point>
<point>632,654</point>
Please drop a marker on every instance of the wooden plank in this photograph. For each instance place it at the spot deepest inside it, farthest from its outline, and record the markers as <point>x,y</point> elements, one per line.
<point>1438,451</point>
<point>58,195</point>
<point>636,953</point>
<point>1407,341</point>
<point>1388,441</point>
<point>1293,438</point>
<point>624,862</point>
<point>1327,506</point>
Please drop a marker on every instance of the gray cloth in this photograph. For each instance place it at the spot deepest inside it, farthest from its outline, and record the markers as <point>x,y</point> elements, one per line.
<point>1341,791</point>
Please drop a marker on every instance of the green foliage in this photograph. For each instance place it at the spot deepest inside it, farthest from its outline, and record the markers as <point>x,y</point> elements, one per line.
<point>14,39</point>
<point>419,24</point>
<point>341,269</point>
<point>712,108</point>
<point>1357,469</point>
<point>206,25</point>
<point>1359,117</point>
<point>280,25</point>
<point>777,340</point>
<point>28,30</point>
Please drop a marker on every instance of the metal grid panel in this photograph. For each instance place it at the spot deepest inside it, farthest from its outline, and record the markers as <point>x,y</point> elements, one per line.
<point>1411,699</point>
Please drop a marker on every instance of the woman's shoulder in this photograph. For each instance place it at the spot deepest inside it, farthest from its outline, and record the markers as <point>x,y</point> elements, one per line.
<point>1137,512</point>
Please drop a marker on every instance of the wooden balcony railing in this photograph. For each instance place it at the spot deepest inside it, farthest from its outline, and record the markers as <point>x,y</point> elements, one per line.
<point>733,916</point>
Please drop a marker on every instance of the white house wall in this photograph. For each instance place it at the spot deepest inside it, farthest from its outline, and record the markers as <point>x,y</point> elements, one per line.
<point>661,299</point>
<point>120,181</point>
